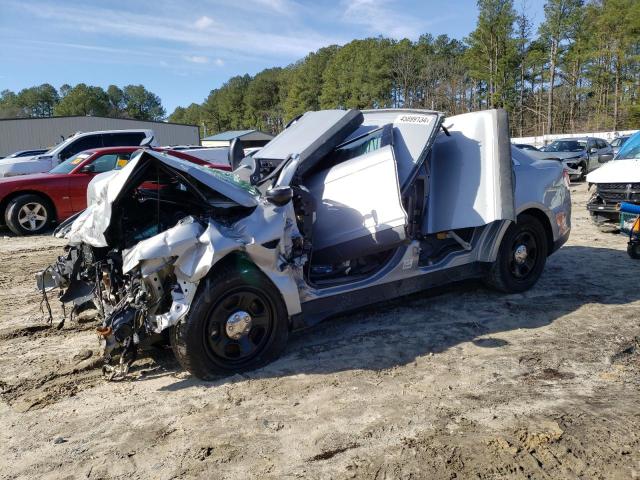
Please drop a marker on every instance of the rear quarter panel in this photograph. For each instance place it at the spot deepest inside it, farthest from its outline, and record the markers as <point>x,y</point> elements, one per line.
<point>540,185</point>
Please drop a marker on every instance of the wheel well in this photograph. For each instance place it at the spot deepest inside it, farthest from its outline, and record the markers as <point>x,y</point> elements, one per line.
<point>6,200</point>
<point>546,224</point>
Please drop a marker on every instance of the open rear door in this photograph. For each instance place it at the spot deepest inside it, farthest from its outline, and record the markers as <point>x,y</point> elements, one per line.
<point>358,193</point>
<point>471,176</point>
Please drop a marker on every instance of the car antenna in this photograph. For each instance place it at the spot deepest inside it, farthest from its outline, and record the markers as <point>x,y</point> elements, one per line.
<point>445,130</point>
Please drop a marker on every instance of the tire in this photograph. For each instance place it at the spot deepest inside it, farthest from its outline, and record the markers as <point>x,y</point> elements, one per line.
<point>633,249</point>
<point>209,342</point>
<point>28,214</point>
<point>516,270</point>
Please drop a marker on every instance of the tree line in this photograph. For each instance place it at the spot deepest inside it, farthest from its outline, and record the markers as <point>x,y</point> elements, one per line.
<point>579,71</point>
<point>131,101</point>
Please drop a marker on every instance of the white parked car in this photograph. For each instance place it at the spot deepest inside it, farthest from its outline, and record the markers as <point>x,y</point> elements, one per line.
<point>616,182</point>
<point>75,144</point>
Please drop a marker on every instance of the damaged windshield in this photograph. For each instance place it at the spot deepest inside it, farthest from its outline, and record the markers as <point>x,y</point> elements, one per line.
<point>227,177</point>
<point>566,146</point>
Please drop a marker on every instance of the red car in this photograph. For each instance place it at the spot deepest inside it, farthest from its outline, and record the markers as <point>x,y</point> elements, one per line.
<point>30,203</point>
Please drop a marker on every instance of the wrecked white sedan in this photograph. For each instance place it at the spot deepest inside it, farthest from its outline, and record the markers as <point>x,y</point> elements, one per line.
<point>341,210</point>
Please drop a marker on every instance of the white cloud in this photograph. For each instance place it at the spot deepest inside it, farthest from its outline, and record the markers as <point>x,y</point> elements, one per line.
<point>237,34</point>
<point>203,23</point>
<point>196,59</point>
<point>382,17</point>
<point>219,62</point>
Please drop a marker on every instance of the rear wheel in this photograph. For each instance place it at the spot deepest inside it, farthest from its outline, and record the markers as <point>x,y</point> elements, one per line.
<point>237,322</point>
<point>28,214</point>
<point>521,258</point>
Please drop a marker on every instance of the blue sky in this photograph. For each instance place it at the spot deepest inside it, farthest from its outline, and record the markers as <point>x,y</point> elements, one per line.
<point>181,50</point>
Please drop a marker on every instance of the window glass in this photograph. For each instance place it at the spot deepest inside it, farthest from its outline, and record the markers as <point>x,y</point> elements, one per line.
<point>129,139</point>
<point>374,140</point>
<point>566,146</point>
<point>630,149</point>
<point>83,143</point>
<point>70,163</point>
<point>110,161</point>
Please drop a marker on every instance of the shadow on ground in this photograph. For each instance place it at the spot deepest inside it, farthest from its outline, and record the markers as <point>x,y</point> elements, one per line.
<point>395,333</point>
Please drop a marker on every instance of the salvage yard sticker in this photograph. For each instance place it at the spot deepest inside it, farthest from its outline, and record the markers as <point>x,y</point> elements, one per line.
<point>414,118</point>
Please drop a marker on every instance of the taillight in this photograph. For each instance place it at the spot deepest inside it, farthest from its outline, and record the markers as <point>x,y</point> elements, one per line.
<point>565,174</point>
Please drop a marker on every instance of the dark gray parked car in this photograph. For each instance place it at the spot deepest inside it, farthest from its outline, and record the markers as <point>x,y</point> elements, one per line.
<point>579,155</point>
<point>340,210</point>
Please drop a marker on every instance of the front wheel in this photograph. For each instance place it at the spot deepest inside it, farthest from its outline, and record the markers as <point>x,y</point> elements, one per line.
<point>28,214</point>
<point>633,249</point>
<point>237,322</point>
<point>521,258</point>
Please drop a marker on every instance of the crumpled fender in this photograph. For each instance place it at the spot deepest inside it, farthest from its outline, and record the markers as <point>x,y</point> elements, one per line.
<point>194,248</point>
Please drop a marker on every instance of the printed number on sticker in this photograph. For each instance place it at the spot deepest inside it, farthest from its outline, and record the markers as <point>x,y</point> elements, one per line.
<point>419,119</point>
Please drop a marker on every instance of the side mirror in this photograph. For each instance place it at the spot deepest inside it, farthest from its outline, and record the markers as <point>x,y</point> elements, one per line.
<point>88,169</point>
<point>236,153</point>
<point>279,196</point>
<point>605,157</point>
<point>593,150</point>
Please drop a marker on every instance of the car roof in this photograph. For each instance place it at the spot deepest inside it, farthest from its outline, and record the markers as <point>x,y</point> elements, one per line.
<point>98,132</point>
<point>104,150</point>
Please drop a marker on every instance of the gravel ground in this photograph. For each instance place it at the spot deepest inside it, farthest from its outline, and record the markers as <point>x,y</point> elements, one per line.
<point>458,383</point>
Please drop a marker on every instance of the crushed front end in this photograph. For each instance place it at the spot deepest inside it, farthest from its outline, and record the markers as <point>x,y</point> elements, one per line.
<point>151,233</point>
<point>604,204</point>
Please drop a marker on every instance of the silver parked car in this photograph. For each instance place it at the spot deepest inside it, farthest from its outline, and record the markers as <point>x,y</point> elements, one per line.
<point>340,210</point>
<point>579,155</point>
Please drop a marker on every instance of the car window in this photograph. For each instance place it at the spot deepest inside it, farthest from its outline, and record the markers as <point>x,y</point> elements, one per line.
<point>83,143</point>
<point>110,161</point>
<point>128,139</point>
<point>630,149</point>
<point>70,163</point>
<point>601,143</point>
<point>369,142</point>
<point>566,146</point>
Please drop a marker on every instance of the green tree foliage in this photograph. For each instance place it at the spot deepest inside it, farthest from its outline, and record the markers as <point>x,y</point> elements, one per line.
<point>83,100</point>
<point>359,76</point>
<point>9,105</point>
<point>263,100</point>
<point>492,53</point>
<point>141,104</point>
<point>306,82</point>
<point>117,102</point>
<point>562,19</point>
<point>134,101</point>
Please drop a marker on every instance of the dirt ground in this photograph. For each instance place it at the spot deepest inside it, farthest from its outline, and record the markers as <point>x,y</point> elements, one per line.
<point>459,383</point>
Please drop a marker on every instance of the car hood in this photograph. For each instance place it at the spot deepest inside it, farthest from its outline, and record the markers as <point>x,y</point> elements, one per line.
<point>31,178</point>
<point>617,171</point>
<point>89,227</point>
<point>557,155</point>
<point>25,165</point>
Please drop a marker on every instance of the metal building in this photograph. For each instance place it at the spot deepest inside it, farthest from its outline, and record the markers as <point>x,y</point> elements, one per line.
<point>31,133</point>
<point>249,138</point>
